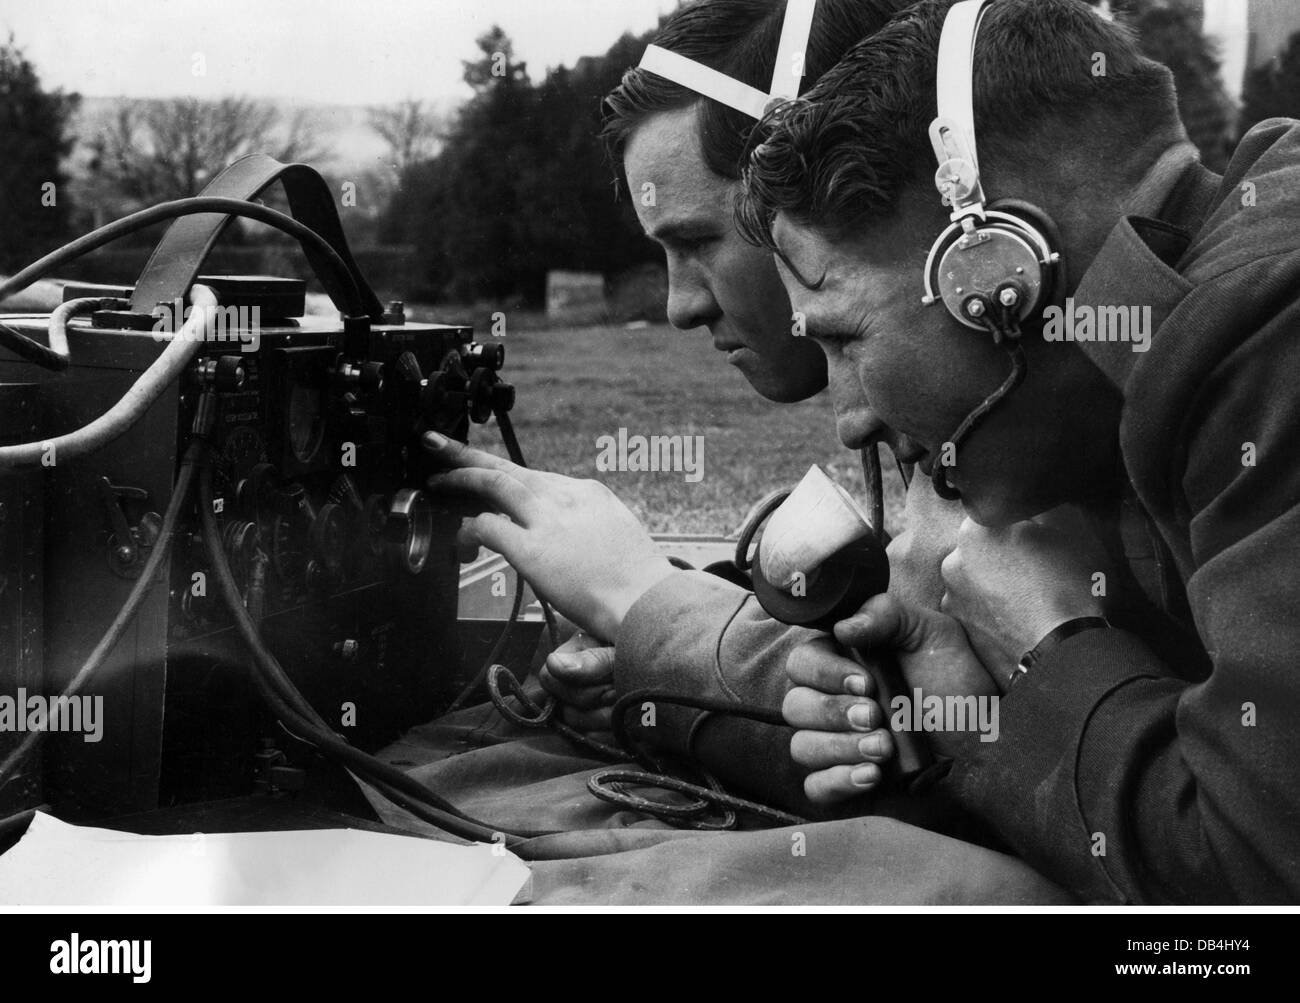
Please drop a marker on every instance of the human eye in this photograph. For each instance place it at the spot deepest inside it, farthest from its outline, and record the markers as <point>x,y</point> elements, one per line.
<point>695,241</point>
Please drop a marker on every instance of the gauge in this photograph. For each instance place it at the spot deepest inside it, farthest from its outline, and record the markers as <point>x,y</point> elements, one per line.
<point>306,419</point>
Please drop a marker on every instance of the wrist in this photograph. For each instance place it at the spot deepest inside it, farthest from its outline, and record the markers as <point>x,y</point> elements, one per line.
<point>626,593</point>
<point>1031,659</point>
<point>1039,627</point>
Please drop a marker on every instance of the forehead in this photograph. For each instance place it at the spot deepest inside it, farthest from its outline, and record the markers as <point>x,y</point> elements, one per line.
<point>665,152</point>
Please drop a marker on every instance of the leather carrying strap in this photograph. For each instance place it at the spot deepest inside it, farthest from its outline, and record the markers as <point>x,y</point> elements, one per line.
<point>176,261</point>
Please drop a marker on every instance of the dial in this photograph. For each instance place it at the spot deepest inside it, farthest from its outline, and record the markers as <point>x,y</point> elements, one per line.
<point>244,448</point>
<point>241,543</point>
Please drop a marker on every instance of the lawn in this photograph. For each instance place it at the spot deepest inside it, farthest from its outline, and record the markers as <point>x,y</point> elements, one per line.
<point>575,385</point>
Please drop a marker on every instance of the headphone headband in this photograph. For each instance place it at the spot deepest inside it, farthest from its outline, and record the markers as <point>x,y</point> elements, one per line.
<point>952,133</point>
<point>787,72</point>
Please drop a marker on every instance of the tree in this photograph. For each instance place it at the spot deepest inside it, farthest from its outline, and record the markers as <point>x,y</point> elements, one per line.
<point>34,205</point>
<point>521,185</point>
<point>410,129</point>
<point>1273,89</point>
<point>496,64</point>
<point>155,151</point>
<point>465,217</point>
<point>1169,31</point>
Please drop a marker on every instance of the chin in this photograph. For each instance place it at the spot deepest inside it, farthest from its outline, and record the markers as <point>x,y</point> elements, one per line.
<point>995,509</point>
<point>784,386</point>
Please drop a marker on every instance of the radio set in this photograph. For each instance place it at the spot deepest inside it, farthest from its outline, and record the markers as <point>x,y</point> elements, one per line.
<point>310,431</point>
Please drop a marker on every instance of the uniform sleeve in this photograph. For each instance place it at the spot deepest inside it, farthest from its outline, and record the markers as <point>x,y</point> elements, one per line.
<point>695,635</point>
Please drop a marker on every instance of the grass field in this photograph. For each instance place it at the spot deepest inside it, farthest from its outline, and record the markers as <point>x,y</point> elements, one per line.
<point>575,385</point>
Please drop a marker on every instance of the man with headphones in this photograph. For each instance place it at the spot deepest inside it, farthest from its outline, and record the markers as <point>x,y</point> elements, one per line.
<point>679,122</point>
<point>1101,321</point>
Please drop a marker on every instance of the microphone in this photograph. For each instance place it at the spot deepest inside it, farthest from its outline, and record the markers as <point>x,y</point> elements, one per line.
<point>817,560</point>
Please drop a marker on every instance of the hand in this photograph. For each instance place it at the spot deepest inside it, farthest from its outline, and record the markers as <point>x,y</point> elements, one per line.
<point>576,544</point>
<point>842,737</point>
<point>935,657</point>
<point>916,554</point>
<point>580,674</point>
<point>1011,587</point>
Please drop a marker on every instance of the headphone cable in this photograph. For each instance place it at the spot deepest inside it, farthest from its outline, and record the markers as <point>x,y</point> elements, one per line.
<point>1010,339</point>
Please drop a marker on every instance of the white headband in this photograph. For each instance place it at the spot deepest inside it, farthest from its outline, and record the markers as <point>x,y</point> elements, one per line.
<point>952,133</point>
<point>787,73</point>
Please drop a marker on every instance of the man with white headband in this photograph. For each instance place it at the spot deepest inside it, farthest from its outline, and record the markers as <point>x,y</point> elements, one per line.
<point>679,123</point>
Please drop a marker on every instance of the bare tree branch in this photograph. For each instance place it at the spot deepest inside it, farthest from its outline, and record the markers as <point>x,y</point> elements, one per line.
<point>411,130</point>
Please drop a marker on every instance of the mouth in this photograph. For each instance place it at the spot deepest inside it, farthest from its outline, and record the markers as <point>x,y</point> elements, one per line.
<point>908,450</point>
<point>732,351</point>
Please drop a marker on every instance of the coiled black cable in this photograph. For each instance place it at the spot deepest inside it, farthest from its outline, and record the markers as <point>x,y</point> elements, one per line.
<point>657,776</point>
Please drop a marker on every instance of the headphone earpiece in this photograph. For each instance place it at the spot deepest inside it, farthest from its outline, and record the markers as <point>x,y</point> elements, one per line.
<point>1004,263</point>
<point>994,267</point>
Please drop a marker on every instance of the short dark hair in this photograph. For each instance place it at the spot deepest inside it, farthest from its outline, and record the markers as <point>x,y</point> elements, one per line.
<point>738,38</point>
<point>840,155</point>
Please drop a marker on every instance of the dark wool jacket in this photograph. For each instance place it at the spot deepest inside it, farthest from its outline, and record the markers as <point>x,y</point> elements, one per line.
<point>1185,779</point>
<point>1132,765</point>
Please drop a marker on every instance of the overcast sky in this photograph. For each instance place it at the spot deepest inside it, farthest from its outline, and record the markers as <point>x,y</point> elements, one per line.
<point>326,51</point>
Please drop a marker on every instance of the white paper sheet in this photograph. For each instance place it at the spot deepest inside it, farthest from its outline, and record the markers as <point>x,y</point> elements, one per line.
<point>60,864</point>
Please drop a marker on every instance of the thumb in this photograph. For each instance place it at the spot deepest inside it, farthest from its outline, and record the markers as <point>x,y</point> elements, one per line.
<point>885,621</point>
<point>577,640</point>
<point>582,668</point>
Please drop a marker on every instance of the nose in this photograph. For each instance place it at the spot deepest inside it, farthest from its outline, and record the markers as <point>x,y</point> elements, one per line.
<point>845,391</point>
<point>690,299</point>
<point>857,424</point>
